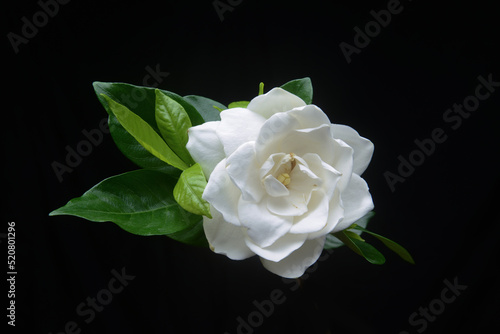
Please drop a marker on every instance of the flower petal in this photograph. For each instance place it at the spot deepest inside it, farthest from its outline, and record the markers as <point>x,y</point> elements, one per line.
<point>244,172</point>
<point>225,238</point>
<point>335,242</point>
<point>238,126</point>
<point>274,187</point>
<point>316,216</point>
<point>280,249</point>
<point>356,200</point>
<point>342,161</point>
<point>328,175</point>
<point>363,148</point>
<point>223,194</point>
<point>294,204</point>
<point>303,180</point>
<point>272,134</point>
<point>205,147</point>
<point>275,101</point>
<point>312,140</point>
<point>264,228</point>
<point>335,216</point>
<point>310,116</point>
<point>295,264</point>
<point>271,164</point>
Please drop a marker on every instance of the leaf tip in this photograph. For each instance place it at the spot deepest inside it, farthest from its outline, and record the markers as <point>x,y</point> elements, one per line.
<point>96,84</point>
<point>56,212</point>
<point>410,259</point>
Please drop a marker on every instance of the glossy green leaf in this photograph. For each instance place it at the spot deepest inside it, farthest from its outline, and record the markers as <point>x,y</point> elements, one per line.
<point>140,202</point>
<point>395,247</point>
<point>301,87</point>
<point>353,235</point>
<point>173,122</point>
<point>333,242</point>
<point>208,108</point>
<point>238,104</point>
<point>370,253</point>
<point>194,235</point>
<point>144,134</point>
<point>189,189</point>
<point>136,152</point>
<point>141,101</point>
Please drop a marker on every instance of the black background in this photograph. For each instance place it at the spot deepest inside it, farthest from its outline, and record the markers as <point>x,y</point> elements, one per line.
<point>394,91</point>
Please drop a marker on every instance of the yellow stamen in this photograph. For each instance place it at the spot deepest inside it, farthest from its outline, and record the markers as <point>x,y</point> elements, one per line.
<point>284,178</point>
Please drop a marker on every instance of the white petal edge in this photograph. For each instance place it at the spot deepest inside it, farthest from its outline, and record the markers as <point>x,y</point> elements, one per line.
<point>275,101</point>
<point>274,187</point>
<point>335,242</point>
<point>295,204</point>
<point>264,228</point>
<point>243,170</point>
<point>221,193</point>
<point>315,218</point>
<point>280,249</point>
<point>335,216</point>
<point>295,264</point>
<point>356,200</point>
<point>205,147</point>
<point>238,126</point>
<point>225,238</point>
<point>312,140</point>
<point>310,116</point>
<point>271,163</point>
<point>303,179</point>
<point>343,162</point>
<point>272,133</point>
<point>363,148</point>
<point>328,175</point>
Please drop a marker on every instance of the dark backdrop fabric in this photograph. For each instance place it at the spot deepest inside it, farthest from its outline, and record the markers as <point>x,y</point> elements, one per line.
<point>75,276</point>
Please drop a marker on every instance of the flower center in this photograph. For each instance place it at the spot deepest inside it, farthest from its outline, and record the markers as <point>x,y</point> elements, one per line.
<point>284,178</point>
<point>286,169</point>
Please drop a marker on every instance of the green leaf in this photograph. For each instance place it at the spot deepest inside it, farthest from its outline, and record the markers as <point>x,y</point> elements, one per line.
<point>238,104</point>
<point>194,235</point>
<point>300,87</point>
<point>208,108</point>
<point>145,134</point>
<point>188,191</point>
<point>395,247</point>
<point>136,152</point>
<point>140,202</point>
<point>140,100</point>
<point>173,122</point>
<point>333,242</point>
<point>370,253</point>
<point>353,235</point>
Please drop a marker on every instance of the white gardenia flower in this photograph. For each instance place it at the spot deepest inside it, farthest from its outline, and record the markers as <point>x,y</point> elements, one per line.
<point>281,177</point>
